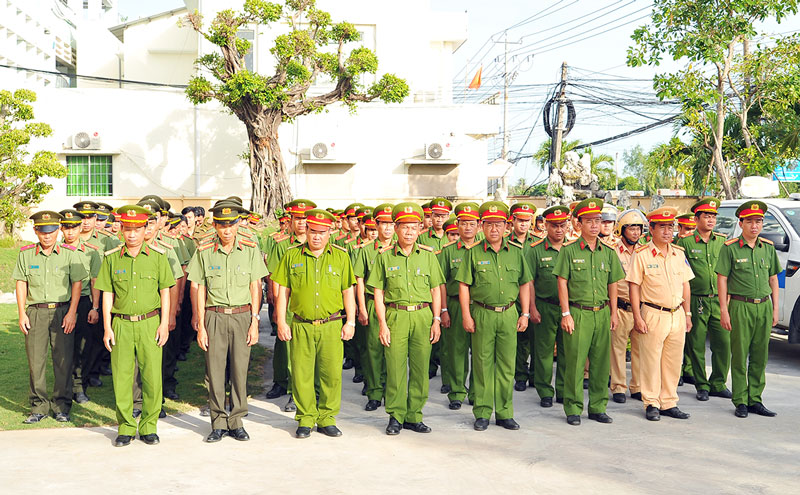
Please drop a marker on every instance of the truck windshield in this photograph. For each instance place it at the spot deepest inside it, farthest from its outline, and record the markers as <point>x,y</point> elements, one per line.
<point>793,214</point>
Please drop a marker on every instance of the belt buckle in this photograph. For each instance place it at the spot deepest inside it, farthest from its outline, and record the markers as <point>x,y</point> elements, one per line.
<point>135,318</point>
<point>757,300</point>
<point>227,311</point>
<point>596,308</point>
<point>51,305</point>
<point>316,323</point>
<point>498,309</point>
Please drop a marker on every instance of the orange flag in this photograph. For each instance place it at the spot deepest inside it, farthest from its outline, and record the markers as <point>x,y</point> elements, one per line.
<point>476,81</point>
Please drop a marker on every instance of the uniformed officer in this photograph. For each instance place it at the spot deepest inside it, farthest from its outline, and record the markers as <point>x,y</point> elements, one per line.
<point>630,225</point>
<point>406,279</point>
<point>354,348</point>
<point>427,219</point>
<point>434,236</point>
<point>747,269</point>
<point>319,277</point>
<point>686,225</point>
<point>85,333</point>
<point>539,229</point>
<point>545,312</point>
<point>522,215</point>
<point>228,270</point>
<point>702,250</point>
<point>451,229</point>
<point>494,273</point>
<point>90,229</point>
<point>374,361</point>
<point>587,271</point>
<point>135,281</point>
<point>49,280</point>
<point>455,341</point>
<point>609,218</point>
<point>660,297</point>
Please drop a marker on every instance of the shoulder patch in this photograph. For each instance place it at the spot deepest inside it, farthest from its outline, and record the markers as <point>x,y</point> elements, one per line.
<point>641,248</point>
<point>348,241</point>
<point>426,248</point>
<point>103,232</point>
<point>536,243</point>
<point>293,247</point>
<point>340,248</point>
<point>688,234</point>
<point>515,244</point>
<point>449,244</point>
<point>720,234</point>
<point>114,250</point>
<point>92,246</point>
<point>248,242</point>
<point>25,248</point>
<point>608,244</point>
<point>473,245</point>
<point>246,234</point>
<point>679,247</point>
<point>385,248</point>
<point>573,241</point>
<point>203,247</point>
<point>281,238</point>
<point>731,241</point>
<point>766,240</point>
<point>71,248</point>
<point>340,237</point>
<point>165,245</point>
<point>158,249</point>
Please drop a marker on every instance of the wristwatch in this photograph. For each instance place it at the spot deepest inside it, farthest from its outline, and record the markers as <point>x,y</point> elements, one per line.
<point>438,318</point>
<point>256,316</point>
<point>526,315</point>
<point>566,313</point>
<point>96,309</point>
<point>444,310</point>
<point>351,323</point>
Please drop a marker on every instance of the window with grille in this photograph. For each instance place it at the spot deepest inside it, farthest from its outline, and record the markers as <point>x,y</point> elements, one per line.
<point>89,175</point>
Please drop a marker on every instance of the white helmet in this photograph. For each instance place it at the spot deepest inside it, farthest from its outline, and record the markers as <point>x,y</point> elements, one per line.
<point>630,217</point>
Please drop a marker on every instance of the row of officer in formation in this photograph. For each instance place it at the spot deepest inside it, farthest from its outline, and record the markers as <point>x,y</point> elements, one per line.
<point>459,294</point>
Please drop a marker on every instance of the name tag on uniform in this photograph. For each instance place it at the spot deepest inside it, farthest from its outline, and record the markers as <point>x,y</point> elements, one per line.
<point>653,265</point>
<point>741,260</point>
<point>578,261</point>
<point>456,260</point>
<point>34,267</point>
<point>330,268</point>
<point>548,258</point>
<point>697,250</point>
<point>210,268</point>
<point>119,271</point>
<point>487,262</point>
<point>393,268</point>
<point>297,265</point>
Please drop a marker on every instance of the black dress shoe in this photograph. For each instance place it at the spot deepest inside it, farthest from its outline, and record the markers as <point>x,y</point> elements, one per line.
<point>239,434</point>
<point>445,389</point>
<point>62,417</point>
<point>508,424</point>
<point>137,412</point>
<point>162,414</point>
<point>702,395</point>
<point>330,431</point>
<point>358,378</point>
<point>122,440</point>
<point>586,384</point>
<point>470,401</point>
<point>105,370</point>
<point>627,356</point>
<point>680,382</point>
<point>757,408</point>
<point>636,395</point>
<point>432,372</point>
<point>302,432</point>
<point>454,405</point>
<point>559,400</point>
<point>348,364</point>
<point>290,405</point>
<point>688,379</point>
<point>171,395</point>
<point>724,393</point>
<point>619,398</point>
<point>276,391</point>
<point>546,402</point>
<point>674,412</point>
<point>652,413</point>
<point>33,418</point>
<point>80,398</point>
<point>530,383</point>
<point>417,427</point>
<point>95,381</point>
<point>372,405</point>
<point>481,424</point>
<point>181,356</point>
<point>520,385</point>
<point>205,411</point>
<point>364,389</point>
<point>394,427</point>
<point>574,420</point>
<point>601,417</point>
<point>151,439</point>
<point>741,411</point>
<point>273,333</point>
<point>216,435</point>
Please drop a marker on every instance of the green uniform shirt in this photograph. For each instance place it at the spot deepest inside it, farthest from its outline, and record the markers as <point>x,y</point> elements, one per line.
<point>279,250</point>
<point>177,245</point>
<point>588,273</point>
<point>494,277</point>
<point>406,280</point>
<point>541,257</point>
<point>189,244</point>
<point>227,276</point>
<point>49,277</point>
<point>172,258</point>
<point>748,269</point>
<point>430,238</point>
<point>702,257</point>
<point>92,259</point>
<point>316,283</point>
<point>105,240</point>
<point>135,281</point>
<point>365,262</point>
<point>451,258</point>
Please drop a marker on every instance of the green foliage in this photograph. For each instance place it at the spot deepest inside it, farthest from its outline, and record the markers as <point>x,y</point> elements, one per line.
<point>261,11</point>
<point>21,174</point>
<point>630,184</point>
<point>390,89</point>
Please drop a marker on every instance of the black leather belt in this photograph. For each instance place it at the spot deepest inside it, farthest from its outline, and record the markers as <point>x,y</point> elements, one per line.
<point>229,311</point>
<point>624,305</point>
<point>705,295</point>
<point>757,300</point>
<point>549,300</point>
<point>138,317</point>
<point>335,316</point>
<point>414,307</point>
<point>496,309</point>
<point>48,305</point>
<point>662,308</point>
<point>589,308</point>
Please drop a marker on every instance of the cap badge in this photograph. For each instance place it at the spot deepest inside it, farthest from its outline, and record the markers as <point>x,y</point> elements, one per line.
<point>320,216</point>
<point>525,207</point>
<point>467,208</point>
<point>226,211</point>
<point>408,209</point>
<point>147,207</point>
<point>130,213</point>
<point>46,216</point>
<point>493,209</point>
<point>712,204</point>
<point>592,204</point>
<point>68,215</point>
<point>754,207</point>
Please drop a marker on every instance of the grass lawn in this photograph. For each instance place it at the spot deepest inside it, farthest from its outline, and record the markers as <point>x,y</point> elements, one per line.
<point>14,406</point>
<point>8,258</point>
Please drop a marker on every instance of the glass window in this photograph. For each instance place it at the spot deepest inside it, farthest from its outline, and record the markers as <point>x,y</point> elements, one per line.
<point>771,225</point>
<point>793,214</point>
<point>249,35</point>
<point>492,185</point>
<point>726,220</point>
<point>89,175</point>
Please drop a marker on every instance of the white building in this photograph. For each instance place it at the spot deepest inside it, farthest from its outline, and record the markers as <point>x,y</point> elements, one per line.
<point>122,140</point>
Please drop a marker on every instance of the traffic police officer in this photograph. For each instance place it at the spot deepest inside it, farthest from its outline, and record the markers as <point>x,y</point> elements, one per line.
<point>49,280</point>
<point>747,270</point>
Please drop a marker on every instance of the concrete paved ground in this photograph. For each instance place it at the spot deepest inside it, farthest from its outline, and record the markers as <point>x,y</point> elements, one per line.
<point>713,452</point>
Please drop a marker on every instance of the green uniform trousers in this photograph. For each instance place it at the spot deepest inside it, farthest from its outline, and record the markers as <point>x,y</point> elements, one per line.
<point>317,351</point>
<point>590,339</point>
<point>352,350</point>
<point>705,321</point>
<point>751,326</point>
<point>375,360</point>
<point>525,347</point>
<point>84,340</point>
<point>136,341</point>
<point>547,337</point>
<point>281,367</point>
<point>494,346</point>
<point>46,332</point>
<point>97,351</point>
<point>457,352</point>
<point>227,343</point>
<point>407,361</point>
<point>360,341</point>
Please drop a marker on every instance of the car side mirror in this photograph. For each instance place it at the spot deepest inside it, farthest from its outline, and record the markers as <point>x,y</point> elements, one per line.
<point>780,241</point>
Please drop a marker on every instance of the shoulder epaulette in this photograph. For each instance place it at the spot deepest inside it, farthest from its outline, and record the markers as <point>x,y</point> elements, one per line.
<point>608,244</point>
<point>731,241</point>
<point>340,248</point>
<point>364,244</point>
<point>426,248</point>
<point>573,241</point>
<point>92,246</point>
<point>107,234</point>
<point>640,248</point>
<point>536,243</point>
<point>165,245</point>
<point>25,248</point>
<point>293,247</point>
<point>71,248</point>
<point>248,242</point>
<point>158,249</point>
<point>688,234</point>
<point>246,233</point>
<point>437,253</point>
<point>273,234</point>
<point>186,236</point>
<point>203,247</point>
<point>112,251</point>
<point>449,244</point>
<point>766,240</point>
<point>515,244</point>
<point>385,248</point>
<point>679,247</point>
<point>342,236</point>
<point>720,234</point>
<point>348,241</point>
<point>472,245</point>
<point>281,238</point>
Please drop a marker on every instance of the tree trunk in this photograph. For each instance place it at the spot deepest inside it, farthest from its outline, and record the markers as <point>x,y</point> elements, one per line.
<point>718,133</point>
<point>270,185</point>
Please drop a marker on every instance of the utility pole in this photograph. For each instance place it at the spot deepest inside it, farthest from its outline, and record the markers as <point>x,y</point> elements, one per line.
<point>504,152</point>
<point>555,149</point>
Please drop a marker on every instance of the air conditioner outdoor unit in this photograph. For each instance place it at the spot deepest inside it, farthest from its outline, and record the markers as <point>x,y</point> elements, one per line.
<point>84,141</point>
<point>441,150</point>
<point>323,151</point>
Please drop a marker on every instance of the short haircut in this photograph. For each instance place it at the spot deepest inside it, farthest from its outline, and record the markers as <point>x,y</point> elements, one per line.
<point>199,211</point>
<point>188,209</point>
